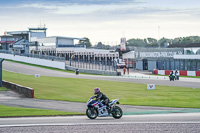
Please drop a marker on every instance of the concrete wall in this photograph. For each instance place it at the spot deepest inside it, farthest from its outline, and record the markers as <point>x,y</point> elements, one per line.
<point>151,65</point>
<point>26,91</point>
<point>42,62</point>
<point>139,65</point>
<point>111,73</point>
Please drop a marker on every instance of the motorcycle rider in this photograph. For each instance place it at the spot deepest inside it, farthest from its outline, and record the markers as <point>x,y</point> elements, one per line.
<point>176,75</point>
<point>101,96</point>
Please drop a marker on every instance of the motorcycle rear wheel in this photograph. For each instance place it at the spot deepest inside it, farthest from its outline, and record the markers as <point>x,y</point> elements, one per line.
<point>90,114</point>
<point>117,112</point>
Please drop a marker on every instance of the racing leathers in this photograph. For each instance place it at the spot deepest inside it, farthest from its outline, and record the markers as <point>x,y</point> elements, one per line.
<point>101,96</point>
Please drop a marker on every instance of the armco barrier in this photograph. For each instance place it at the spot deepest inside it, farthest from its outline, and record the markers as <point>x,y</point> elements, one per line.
<point>26,91</point>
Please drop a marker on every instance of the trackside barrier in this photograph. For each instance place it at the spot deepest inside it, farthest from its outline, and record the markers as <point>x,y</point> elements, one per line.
<point>110,73</point>
<point>197,73</point>
<point>36,61</point>
<point>191,73</point>
<point>26,91</point>
<point>161,72</point>
<point>167,72</point>
<point>181,73</point>
<point>155,72</point>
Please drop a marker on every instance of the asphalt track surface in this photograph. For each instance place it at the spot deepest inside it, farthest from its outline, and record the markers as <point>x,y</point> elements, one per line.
<point>183,123</point>
<point>31,70</point>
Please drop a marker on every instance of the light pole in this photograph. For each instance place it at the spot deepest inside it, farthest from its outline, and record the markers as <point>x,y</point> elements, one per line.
<point>159,36</point>
<point>1,60</point>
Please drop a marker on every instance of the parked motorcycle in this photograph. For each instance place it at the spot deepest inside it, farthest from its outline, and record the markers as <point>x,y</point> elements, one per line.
<point>96,108</point>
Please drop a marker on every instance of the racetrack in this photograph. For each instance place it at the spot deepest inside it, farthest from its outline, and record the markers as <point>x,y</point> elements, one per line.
<point>141,123</point>
<point>176,122</point>
<point>31,70</point>
<point>10,98</point>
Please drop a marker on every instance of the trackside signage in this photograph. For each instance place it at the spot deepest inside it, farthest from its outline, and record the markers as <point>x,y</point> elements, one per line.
<point>150,86</point>
<point>37,75</point>
<point>157,54</point>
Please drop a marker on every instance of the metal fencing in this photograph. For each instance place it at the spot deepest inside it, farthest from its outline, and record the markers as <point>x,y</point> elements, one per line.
<point>92,71</point>
<point>101,65</point>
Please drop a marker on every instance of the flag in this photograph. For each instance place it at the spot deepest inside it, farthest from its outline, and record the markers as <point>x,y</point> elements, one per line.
<point>5,33</point>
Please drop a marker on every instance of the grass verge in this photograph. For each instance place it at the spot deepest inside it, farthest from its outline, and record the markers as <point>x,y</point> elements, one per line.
<point>7,111</point>
<point>79,90</point>
<point>3,89</point>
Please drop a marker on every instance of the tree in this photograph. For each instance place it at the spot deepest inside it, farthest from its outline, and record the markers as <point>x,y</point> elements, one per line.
<point>164,41</point>
<point>99,45</point>
<point>152,42</point>
<point>136,42</point>
<point>86,42</point>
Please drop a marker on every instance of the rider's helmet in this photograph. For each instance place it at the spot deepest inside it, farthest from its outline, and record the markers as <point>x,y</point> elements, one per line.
<point>96,90</point>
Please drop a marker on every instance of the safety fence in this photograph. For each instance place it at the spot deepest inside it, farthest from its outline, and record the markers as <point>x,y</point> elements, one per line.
<point>101,65</point>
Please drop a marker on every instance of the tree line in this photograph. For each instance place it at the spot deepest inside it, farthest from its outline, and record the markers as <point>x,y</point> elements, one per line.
<point>147,42</point>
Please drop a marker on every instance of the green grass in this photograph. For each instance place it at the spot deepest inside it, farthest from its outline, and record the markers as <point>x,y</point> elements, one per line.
<point>51,68</point>
<point>6,111</point>
<point>79,90</point>
<point>3,89</point>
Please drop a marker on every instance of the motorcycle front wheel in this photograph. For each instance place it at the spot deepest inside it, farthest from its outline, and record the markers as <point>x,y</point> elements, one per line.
<point>91,113</point>
<point>117,112</point>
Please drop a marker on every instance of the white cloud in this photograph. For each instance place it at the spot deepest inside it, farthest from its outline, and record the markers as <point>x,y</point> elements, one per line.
<point>106,21</point>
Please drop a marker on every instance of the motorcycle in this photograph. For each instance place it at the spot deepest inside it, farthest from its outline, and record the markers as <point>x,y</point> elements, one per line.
<point>97,108</point>
<point>171,77</point>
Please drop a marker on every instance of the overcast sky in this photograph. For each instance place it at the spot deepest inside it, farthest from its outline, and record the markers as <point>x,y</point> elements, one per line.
<point>104,20</point>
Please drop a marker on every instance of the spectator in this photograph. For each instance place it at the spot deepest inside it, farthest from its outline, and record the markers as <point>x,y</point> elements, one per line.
<point>128,70</point>
<point>124,70</point>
